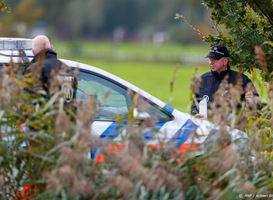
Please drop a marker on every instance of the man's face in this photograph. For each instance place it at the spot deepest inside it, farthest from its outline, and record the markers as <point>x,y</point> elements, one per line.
<point>218,65</point>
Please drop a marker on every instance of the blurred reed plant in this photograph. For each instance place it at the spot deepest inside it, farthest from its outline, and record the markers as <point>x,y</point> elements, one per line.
<point>43,148</point>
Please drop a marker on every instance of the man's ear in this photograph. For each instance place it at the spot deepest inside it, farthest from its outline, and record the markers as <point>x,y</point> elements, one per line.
<point>51,47</point>
<point>226,61</point>
<point>33,52</point>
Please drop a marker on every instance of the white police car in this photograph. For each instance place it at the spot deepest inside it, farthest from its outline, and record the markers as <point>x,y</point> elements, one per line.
<point>172,126</point>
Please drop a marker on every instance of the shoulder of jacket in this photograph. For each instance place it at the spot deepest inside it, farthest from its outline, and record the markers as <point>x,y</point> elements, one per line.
<point>207,74</point>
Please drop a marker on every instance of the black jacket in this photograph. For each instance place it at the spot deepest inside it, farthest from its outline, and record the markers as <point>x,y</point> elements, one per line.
<point>210,82</point>
<point>44,65</point>
<point>48,59</point>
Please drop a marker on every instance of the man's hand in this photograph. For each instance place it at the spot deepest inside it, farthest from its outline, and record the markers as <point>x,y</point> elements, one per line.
<point>249,95</point>
<point>251,100</point>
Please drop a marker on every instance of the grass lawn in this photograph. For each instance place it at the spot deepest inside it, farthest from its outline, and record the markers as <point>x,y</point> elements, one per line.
<point>133,52</point>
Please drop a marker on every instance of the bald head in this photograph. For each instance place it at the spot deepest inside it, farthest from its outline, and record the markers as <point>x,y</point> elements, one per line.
<point>40,43</point>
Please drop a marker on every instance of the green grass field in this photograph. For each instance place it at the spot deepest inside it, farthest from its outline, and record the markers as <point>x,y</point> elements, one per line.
<point>147,66</point>
<point>133,52</point>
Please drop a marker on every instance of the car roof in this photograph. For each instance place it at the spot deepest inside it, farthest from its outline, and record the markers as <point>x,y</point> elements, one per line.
<point>15,48</point>
<point>8,43</point>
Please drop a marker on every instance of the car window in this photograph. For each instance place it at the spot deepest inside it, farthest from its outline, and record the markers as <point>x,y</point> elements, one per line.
<point>113,99</point>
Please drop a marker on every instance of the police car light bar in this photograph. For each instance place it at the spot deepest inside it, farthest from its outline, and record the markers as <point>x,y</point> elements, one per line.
<point>15,44</point>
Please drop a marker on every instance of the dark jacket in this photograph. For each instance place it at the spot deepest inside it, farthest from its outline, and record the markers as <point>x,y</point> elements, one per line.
<point>47,58</point>
<point>52,72</point>
<point>210,82</point>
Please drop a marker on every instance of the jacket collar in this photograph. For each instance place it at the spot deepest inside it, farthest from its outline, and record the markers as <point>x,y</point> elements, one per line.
<point>222,73</point>
<point>44,54</point>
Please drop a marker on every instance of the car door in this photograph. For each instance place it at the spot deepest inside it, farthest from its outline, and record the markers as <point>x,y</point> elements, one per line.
<point>112,100</point>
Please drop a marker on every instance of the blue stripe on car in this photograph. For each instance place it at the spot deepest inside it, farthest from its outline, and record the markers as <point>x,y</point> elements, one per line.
<point>112,131</point>
<point>183,133</point>
<point>168,108</point>
<point>152,131</point>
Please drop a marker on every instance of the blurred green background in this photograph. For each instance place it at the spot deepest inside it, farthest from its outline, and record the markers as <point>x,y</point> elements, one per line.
<point>139,42</point>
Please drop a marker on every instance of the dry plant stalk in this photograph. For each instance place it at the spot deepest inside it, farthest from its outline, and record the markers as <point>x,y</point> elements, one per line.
<point>225,161</point>
<point>261,57</point>
<point>68,178</point>
<point>32,75</point>
<point>153,179</point>
<point>63,124</point>
<point>195,83</point>
<point>227,105</point>
<point>124,186</point>
<point>173,78</point>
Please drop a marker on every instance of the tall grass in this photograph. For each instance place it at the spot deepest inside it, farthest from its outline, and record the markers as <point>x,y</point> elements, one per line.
<point>54,163</point>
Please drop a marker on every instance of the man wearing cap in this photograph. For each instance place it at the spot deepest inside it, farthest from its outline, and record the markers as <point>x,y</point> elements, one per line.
<point>210,81</point>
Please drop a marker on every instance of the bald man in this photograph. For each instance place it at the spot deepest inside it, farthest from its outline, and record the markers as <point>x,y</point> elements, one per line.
<point>40,43</point>
<point>52,73</point>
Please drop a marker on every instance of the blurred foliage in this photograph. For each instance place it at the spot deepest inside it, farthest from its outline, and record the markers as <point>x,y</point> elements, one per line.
<point>247,25</point>
<point>100,19</point>
<point>20,19</point>
<point>4,7</point>
<point>43,149</point>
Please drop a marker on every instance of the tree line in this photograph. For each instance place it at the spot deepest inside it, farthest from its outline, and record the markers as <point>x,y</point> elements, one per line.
<point>100,18</point>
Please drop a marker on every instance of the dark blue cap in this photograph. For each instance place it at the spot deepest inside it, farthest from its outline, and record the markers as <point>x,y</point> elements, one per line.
<point>217,52</point>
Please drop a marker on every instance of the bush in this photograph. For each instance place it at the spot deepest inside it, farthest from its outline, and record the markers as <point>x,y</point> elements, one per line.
<point>45,149</point>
